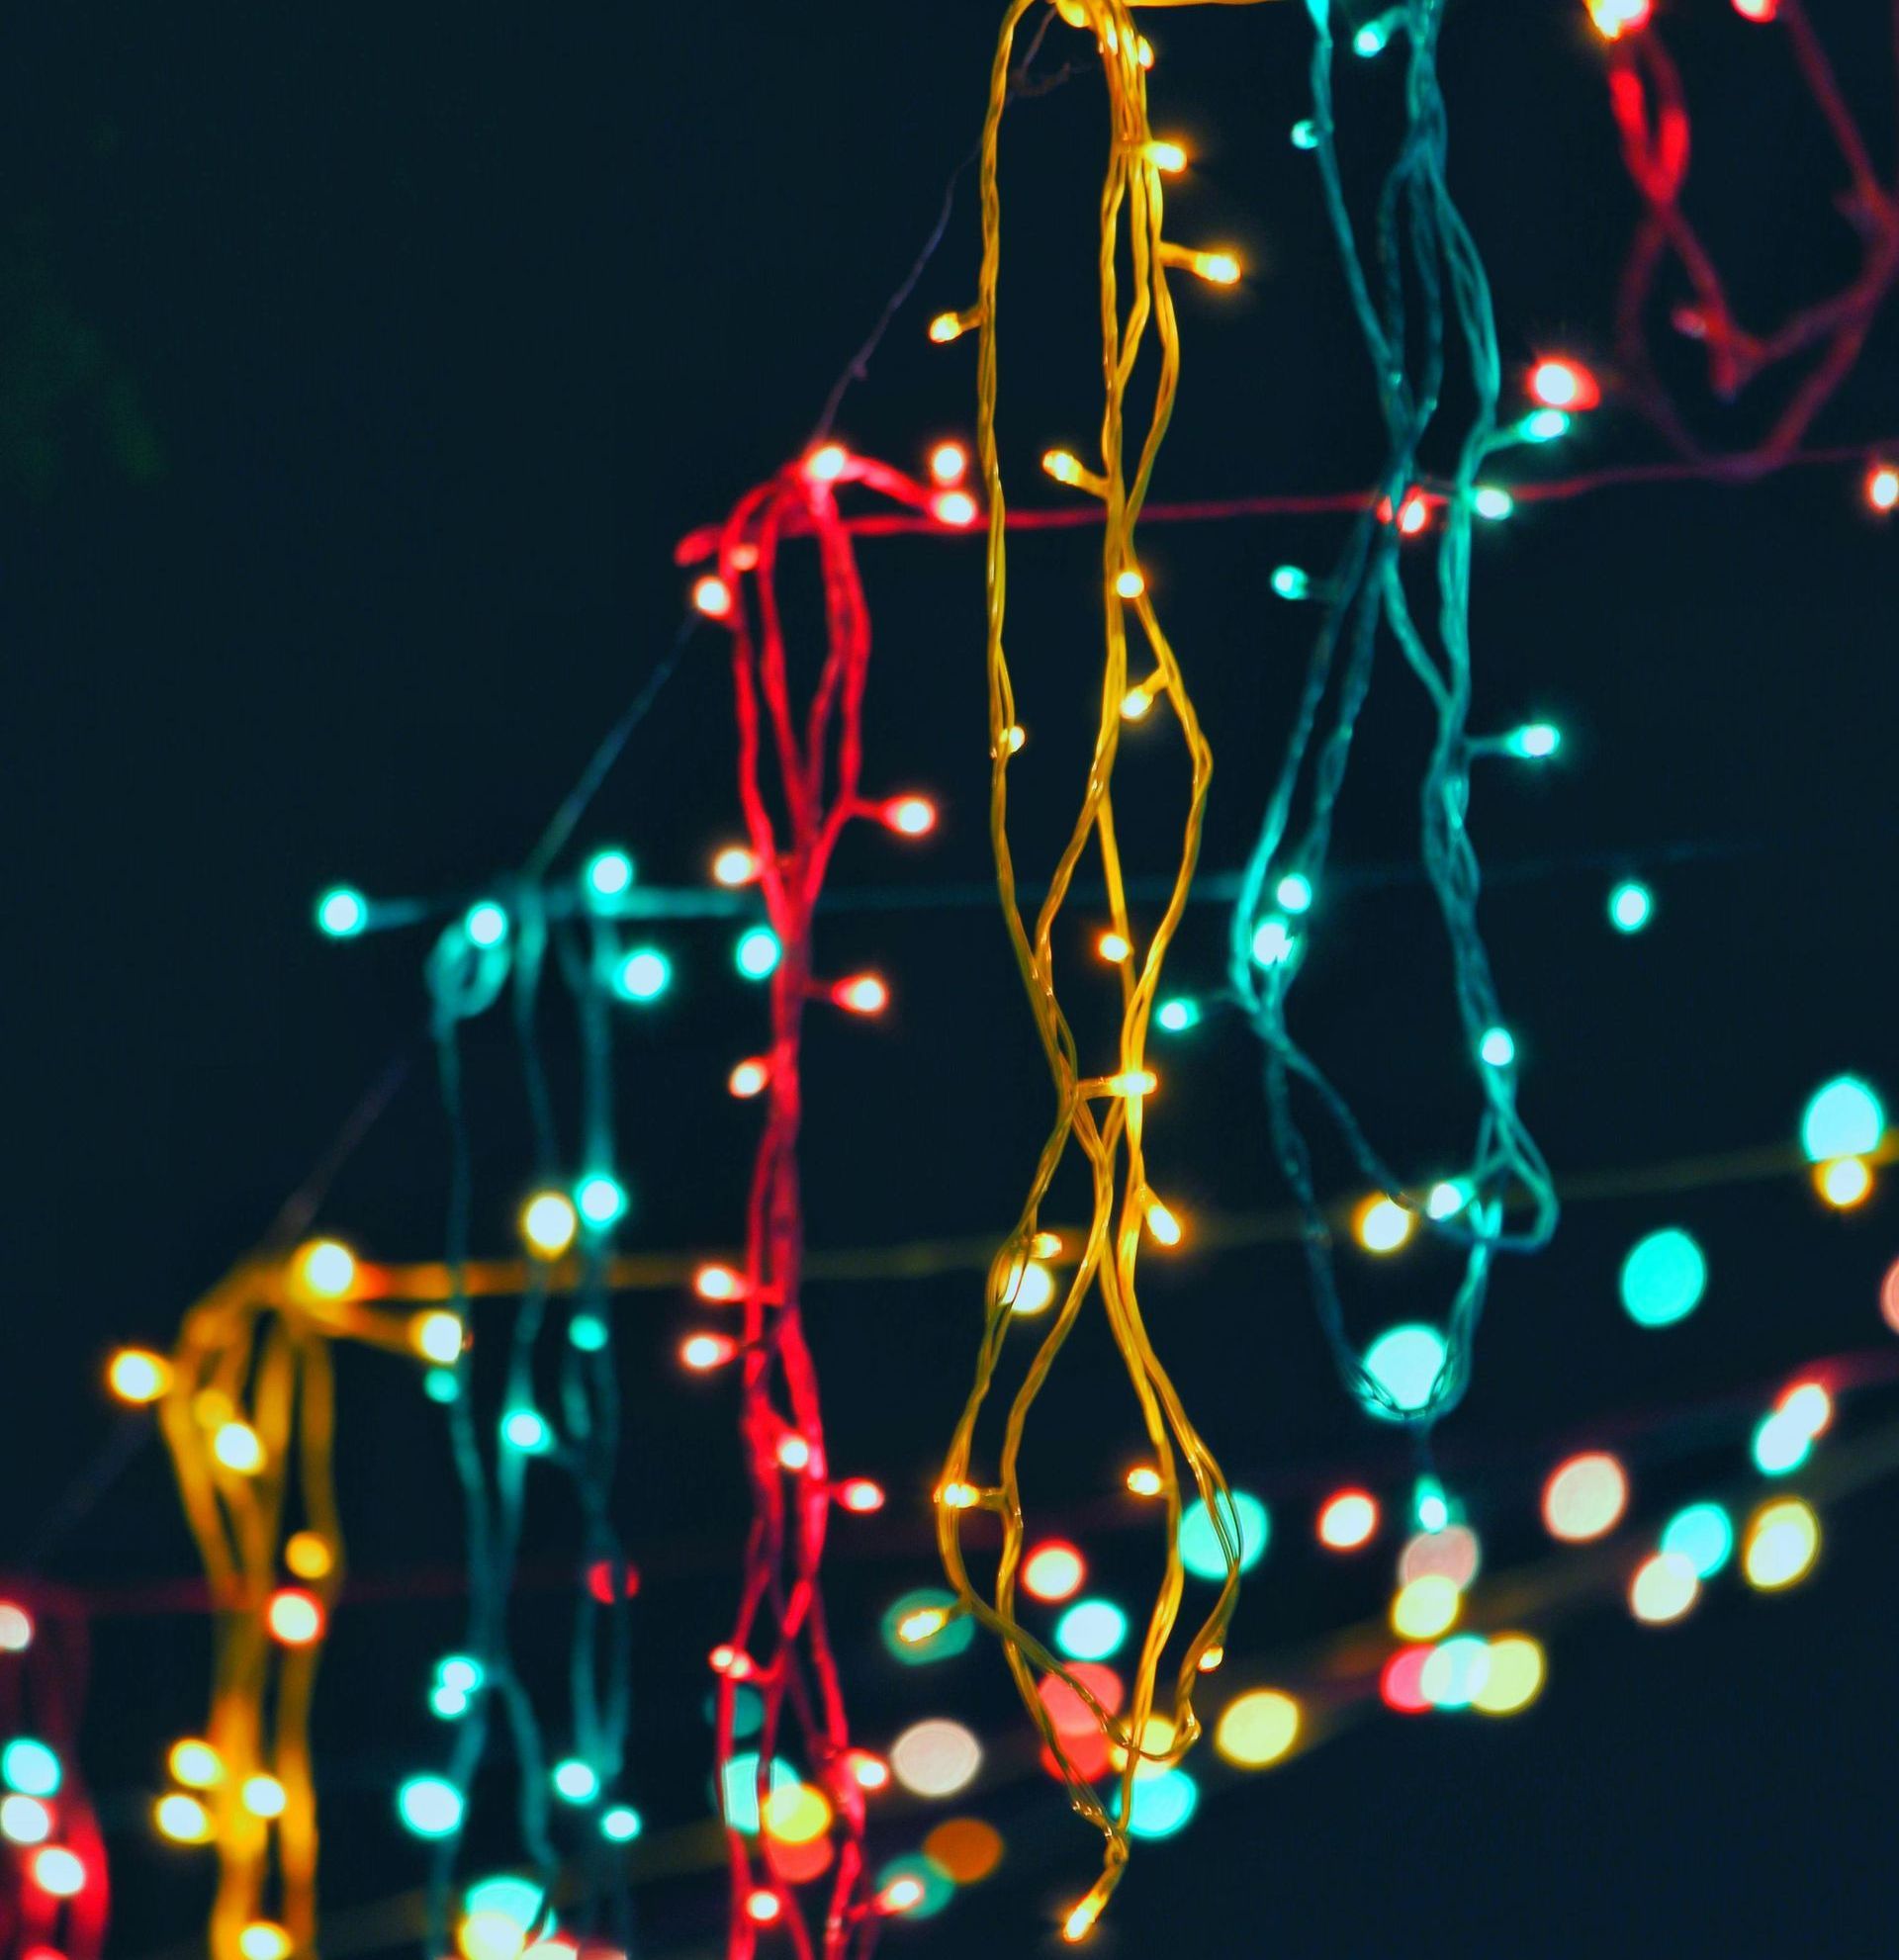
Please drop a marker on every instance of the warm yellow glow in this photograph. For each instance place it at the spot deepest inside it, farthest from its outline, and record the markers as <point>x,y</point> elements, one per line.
<point>1782,1542</point>
<point>1162,1224</point>
<point>922,1624</point>
<point>946,327</point>
<point>309,1555</point>
<point>796,1813</point>
<point>712,597</point>
<point>1381,1225</point>
<point>437,1336</point>
<point>489,1936</point>
<point>1212,1658</point>
<point>1112,947</point>
<point>238,1448</point>
<point>900,1894</point>
<point>1035,1291</point>
<point>1139,1082</point>
<point>1258,1728</point>
<point>183,1820</point>
<point>1843,1182</point>
<point>1046,1245</point>
<point>1158,1736</point>
<point>1426,1607</point>
<point>1144,1480</point>
<point>323,1270</point>
<point>733,865</point>
<point>195,1764</point>
<point>717,1283</point>
<point>1013,737</point>
<point>958,1496</point>
<point>1129,583</point>
<point>1514,1678</point>
<point>1063,465</point>
<point>1136,704</point>
<point>137,1374</point>
<point>263,1939</point>
<point>1081,1921</point>
<point>1662,1589</point>
<point>549,1223</point>
<point>1167,156</point>
<point>263,1795</point>
<point>948,463</point>
<point>749,1077</point>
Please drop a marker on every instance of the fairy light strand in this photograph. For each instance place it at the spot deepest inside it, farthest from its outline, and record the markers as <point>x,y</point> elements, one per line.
<point>1422,243</point>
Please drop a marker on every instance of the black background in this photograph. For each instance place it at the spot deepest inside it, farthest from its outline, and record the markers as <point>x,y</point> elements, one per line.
<point>364,365</point>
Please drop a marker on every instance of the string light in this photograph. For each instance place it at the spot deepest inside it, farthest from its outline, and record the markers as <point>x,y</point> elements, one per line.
<point>342,912</point>
<point>1662,1589</point>
<point>1631,906</point>
<point>323,1270</point>
<point>608,874</point>
<point>733,865</point>
<point>702,1353</point>
<point>1560,383</point>
<point>1381,1224</point>
<point>1843,1182</point>
<point>1348,1520</point>
<point>137,1375</point>
<point>1404,1368</point>
<point>948,463</point>
<point>1882,488</point>
<point>758,952</point>
<point>181,1819</point>
<point>1781,1543</point>
<point>749,1077</point>
<point>1844,1118</point>
<point>294,1617</point>
<point>862,994</point>
<point>549,1223</point>
<point>1664,1278</point>
<point>643,975</point>
<point>1585,1497</point>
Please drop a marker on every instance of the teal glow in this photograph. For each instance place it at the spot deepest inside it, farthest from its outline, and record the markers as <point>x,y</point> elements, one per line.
<point>1454,1671</point>
<point>1631,906</point>
<point>342,913</point>
<point>574,1781</point>
<point>1545,425</point>
<point>458,1672</point>
<point>748,1711</point>
<point>30,1767</point>
<point>1293,892</point>
<point>484,924</point>
<point>1372,39</point>
<point>1165,1801</point>
<point>621,1824</point>
<point>1493,503</point>
<point>1091,1630</point>
<point>1291,583</point>
<point>1306,134</point>
<point>1247,1521</point>
<point>526,1429</point>
<point>450,1704</point>
<point>1430,1506</point>
<point>758,954</point>
<point>440,1385</point>
<point>1844,1118</point>
<point>609,873</point>
<point>1405,1362</point>
<point>1781,1444</point>
<point>600,1199</point>
<point>1447,1198</point>
<point>1177,1016</point>
<point>1498,1050</point>
<point>741,1784</point>
<point>643,975</point>
<point>937,1886</point>
<point>516,1899</point>
<point>587,1332</point>
<point>952,1638</point>
<point>1664,1278</point>
<point>430,1807</point>
<point>1272,942</point>
<point>1535,741</point>
<point>1703,1534</point>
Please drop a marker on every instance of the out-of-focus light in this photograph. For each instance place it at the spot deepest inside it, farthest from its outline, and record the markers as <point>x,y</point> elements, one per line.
<point>24,1820</point>
<point>1662,1278</point>
<point>528,1431</point>
<point>342,912</point>
<point>1114,948</point>
<point>1498,1048</point>
<point>1782,1542</point>
<point>936,1757</point>
<point>1414,513</point>
<point>733,865</point>
<point>491,1936</point>
<point>195,1764</point>
<point>1291,582</point>
<point>608,873</point>
<point>913,1885</point>
<point>1515,1677</point>
<point>1447,1198</point>
<point>181,1819</point>
<point>862,993</point>
<point>1091,1630</point>
<point>1559,383</point>
<point>1426,1607</point>
<point>1013,737</point>
<point>798,1815</point>
<point>295,1617</point>
<point>1258,1728</point>
<point>826,464</point>
<point>437,1336</point>
<point>1616,17</point>
<point>738,1783</point>
<point>1372,39</point>
<point>1052,1570</point>
<point>600,1199</point>
<point>1493,503</point>
<point>574,1781</point>
<point>702,1352</point>
<point>867,1772</point>
<point>1631,906</point>
<point>955,509</point>
<point>621,1824</point>
<point>1807,1404</point>
<point>1144,1480</point>
<point>1882,488</point>
<point>967,1848</point>
<point>763,1907</point>
<point>1843,1182</point>
<point>758,952</point>
<point>1272,942</point>
<point>58,1872</point>
<point>1293,893</point>
<point>16,1627</point>
<point>923,1627</point>
<point>1585,1497</point>
<point>1249,1527</point>
<point>1164,1801</point>
<point>1430,1508</point>
<point>795,1453</point>
<point>1662,1589</point>
<point>549,1223</point>
<point>1758,10</point>
<point>484,924</point>
<point>1348,1519</point>
<point>1453,1552</point>
<point>1168,157</point>
<point>948,463</point>
<point>238,1448</point>
<point>910,816</point>
<point>1401,1680</point>
<point>946,328</point>
<point>1703,1535</point>
<point>959,1496</point>
<point>1128,582</point>
<point>860,1494</point>
<point>1781,1444</point>
<point>643,975</point>
<point>1381,1224</point>
<point>1137,704</point>
<point>1177,1016</point>
<point>440,1385</point>
<point>718,1284</point>
<point>460,1672</point>
<point>713,597</point>
<point>1405,1362</point>
<point>1844,1119</point>
<point>750,1076</point>
<point>324,1269</point>
<point>1455,1671</point>
<point>263,1939</point>
<point>1162,1222</point>
<point>1544,425</point>
<point>137,1374</point>
<point>1304,134</point>
<point>263,1795</point>
<point>1217,268</point>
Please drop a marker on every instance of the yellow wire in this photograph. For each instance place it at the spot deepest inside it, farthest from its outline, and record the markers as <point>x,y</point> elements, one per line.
<point>1105,1122</point>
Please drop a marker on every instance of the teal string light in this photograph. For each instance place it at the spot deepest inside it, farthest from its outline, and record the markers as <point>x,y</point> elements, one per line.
<point>1424,303</point>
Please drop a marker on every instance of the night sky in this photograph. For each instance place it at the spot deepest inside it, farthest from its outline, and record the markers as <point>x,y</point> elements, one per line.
<point>359,369</point>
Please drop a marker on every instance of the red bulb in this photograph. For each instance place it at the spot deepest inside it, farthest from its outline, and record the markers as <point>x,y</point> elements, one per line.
<point>295,1617</point>
<point>713,597</point>
<point>910,816</point>
<point>1413,514</point>
<point>1882,487</point>
<point>764,1906</point>
<point>1756,10</point>
<point>955,507</point>
<point>702,1352</point>
<point>869,1772</point>
<point>860,1493</point>
<point>862,993</point>
<point>949,464</point>
<point>599,1580</point>
<point>1560,383</point>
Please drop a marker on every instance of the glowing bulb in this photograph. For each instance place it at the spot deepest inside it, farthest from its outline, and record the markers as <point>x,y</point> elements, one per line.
<point>1498,1048</point>
<point>263,1939</point>
<point>712,597</point>
<point>195,1764</point>
<point>137,1374</point>
<point>1013,737</point>
<point>958,1496</point>
<point>1288,581</point>
<point>1405,1362</point>
<point>295,1617</point>
<point>459,1673</point>
<point>342,913</point>
<point>763,1907</point>
<point>1631,906</point>
<point>1447,1198</point>
<point>1134,1082</point>
<point>1616,17</point>
<point>486,923</point>
<point>1114,948</point>
<point>1426,1607</point>
<point>705,1352</point>
<point>238,1448</point>
<point>1162,1224</point>
<point>1544,425</point>
<point>263,1795</point>
<point>643,975</point>
<point>946,327</point>
<point>1558,383</point>
<point>1781,1444</point>
<point>1054,1570</point>
<point>1662,1589</point>
<point>1372,39</point>
<point>718,1284</point>
<point>1882,487</point>
<point>868,1772</point>
<point>921,1625</point>
<point>1080,1921</point>
<point>948,463</point>
<point>1217,268</point>
<point>1144,1480</point>
<point>1756,10</point>
<point>935,1758</point>
<point>1257,1728</point>
<point>181,1819</point>
<point>1129,583</point>
<point>323,1270</point>
<point>1782,1542</point>
<point>910,816</point>
<point>1304,134</point>
<point>758,952</point>
<point>1844,1119</point>
<point>749,1077</point>
<point>1843,1182</point>
<point>1348,1520</point>
<point>1493,503</point>
<point>1177,1016</point>
<point>549,1223</point>
<point>1137,704</point>
<point>621,1824</point>
<point>29,1766</point>
<point>608,873</point>
<point>733,865</point>
<point>1381,1224</point>
<point>860,1494</point>
<point>600,1199</point>
<point>1203,1549</point>
<point>437,1337</point>
<point>1167,156</point>
<point>1413,514</point>
<point>862,993</point>
<point>573,1781</point>
<point>24,1821</point>
<point>1272,943</point>
<point>430,1807</point>
<point>1293,893</point>
<point>16,1627</point>
<point>795,1453</point>
<point>1664,1278</point>
<point>1585,1497</point>
<point>1430,1506</point>
<point>526,1429</point>
<point>1091,1630</point>
<point>58,1872</point>
<point>1035,1290</point>
<point>1703,1535</point>
<point>826,465</point>
<point>1807,1404</point>
<point>900,1894</point>
<point>1063,465</point>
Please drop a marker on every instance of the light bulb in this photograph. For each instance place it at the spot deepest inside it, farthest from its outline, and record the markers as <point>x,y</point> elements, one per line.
<point>437,1336</point>
<point>1560,383</point>
<point>484,924</point>
<point>608,873</point>
<point>549,1223</point>
<point>910,816</point>
<point>949,464</point>
<point>1882,487</point>
<point>137,1374</point>
<point>702,1352</point>
<point>1129,583</point>
<point>1288,581</point>
<point>862,993</point>
<point>749,1077</point>
<point>643,975</point>
<point>712,597</point>
<point>1535,741</point>
<point>343,912</point>
<point>955,507</point>
<point>1167,156</point>
<point>1493,503</point>
<point>295,1617</point>
<point>758,954</point>
<point>827,465</point>
<point>734,866</point>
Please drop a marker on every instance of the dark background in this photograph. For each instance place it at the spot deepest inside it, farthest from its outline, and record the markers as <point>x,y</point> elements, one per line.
<point>358,369</point>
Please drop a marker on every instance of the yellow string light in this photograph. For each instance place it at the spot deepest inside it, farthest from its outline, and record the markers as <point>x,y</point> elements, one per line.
<point>1109,1135</point>
<point>248,1415</point>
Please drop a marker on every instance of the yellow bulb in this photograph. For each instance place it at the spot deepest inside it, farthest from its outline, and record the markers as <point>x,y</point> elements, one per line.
<point>309,1556</point>
<point>1381,1226</point>
<point>1143,51</point>
<point>549,1223</point>
<point>238,1448</point>
<point>263,1795</point>
<point>1081,1921</point>
<point>1144,1480</point>
<point>437,1336</point>
<point>1112,947</point>
<point>136,1375</point>
<point>1013,737</point>
<point>1217,268</point>
<point>958,1496</point>
<point>1258,1728</point>
<point>323,1270</point>
<point>922,1624</point>
<point>1162,1222</point>
<point>183,1820</point>
<point>1843,1182</point>
<point>1515,1675</point>
<point>1426,1607</point>
<point>1167,156</point>
<point>1129,583</point>
<point>1034,1289</point>
<point>489,1936</point>
<point>1135,703</point>
<point>1136,1082</point>
<point>1782,1542</point>
<point>195,1764</point>
<point>1214,1657</point>
<point>946,328</point>
<point>263,1939</point>
<point>1158,1735</point>
<point>1063,465</point>
<point>1046,1245</point>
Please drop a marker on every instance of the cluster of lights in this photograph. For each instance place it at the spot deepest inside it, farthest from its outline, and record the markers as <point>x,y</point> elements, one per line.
<point>1842,1130</point>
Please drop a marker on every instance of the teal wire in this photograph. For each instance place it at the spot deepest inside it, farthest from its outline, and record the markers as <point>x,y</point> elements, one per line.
<point>1422,245</point>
